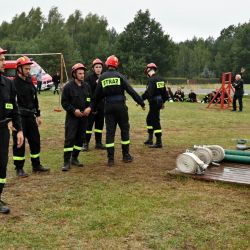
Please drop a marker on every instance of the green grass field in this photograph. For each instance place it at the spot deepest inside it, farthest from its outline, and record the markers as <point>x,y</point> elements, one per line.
<point>135,206</point>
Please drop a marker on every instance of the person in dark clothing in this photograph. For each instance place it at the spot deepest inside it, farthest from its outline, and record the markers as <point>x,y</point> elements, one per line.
<point>179,95</point>
<point>192,97</point>
<point>111,86</point>
<point>76,101</point>
<point>156,94</point>
<point>170,94</point>
<point>8,111</point>
<point>56,80</point>
<point>239,92</point>
<point>39,77</point>
<point>29,108</point>
<point>97,117</point>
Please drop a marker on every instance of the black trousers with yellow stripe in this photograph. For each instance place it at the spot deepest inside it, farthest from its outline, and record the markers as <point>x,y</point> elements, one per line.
<point>31,133</point>
<point>116,113</point>
<point>75,128</point>
<point>98,120</point>
<point>4,149</point>
<point>153,120</point>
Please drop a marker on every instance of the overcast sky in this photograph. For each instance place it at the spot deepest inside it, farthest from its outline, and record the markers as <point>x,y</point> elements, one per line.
<point>181,19</point>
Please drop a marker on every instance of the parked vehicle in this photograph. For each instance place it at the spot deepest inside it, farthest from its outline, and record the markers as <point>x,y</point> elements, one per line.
<point>10,72</point>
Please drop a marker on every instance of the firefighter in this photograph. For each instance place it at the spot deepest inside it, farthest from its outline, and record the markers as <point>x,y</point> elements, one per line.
<point>30,113</point>
<point>8,111</point>
<point>98,116</point>
<point>156,94</point>
<point>77,103</point>
<point>111,87</point>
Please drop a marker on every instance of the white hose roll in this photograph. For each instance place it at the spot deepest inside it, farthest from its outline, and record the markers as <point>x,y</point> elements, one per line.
<point>189,163</point>
<point>217,151</point>
<point>204,154</point>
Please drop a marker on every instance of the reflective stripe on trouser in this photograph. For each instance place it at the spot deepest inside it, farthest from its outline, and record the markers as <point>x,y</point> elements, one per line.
<point>75,129</point>
<point>98,130</point>
<point>4,150</point>
<point>34,156</point>
<point>18,158</point>
<point>2,181</point>
<point>125,142</point>
<point>157,131</point>
<point>31,133</point>
<point>150,129</point>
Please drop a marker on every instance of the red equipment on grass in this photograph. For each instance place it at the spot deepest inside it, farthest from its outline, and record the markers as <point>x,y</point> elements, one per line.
<point>222,99</point>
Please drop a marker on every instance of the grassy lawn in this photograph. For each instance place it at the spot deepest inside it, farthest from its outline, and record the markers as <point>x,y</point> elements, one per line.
<point>135,206</point>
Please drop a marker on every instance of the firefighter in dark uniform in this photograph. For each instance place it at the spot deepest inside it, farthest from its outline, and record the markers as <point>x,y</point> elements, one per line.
<point>239,92</point>
<point>76,100</point>
<point>98,116</point>
<point>8,111</point>
<point>156,94</point>
<point>111,87</point>
<point>29,108</point>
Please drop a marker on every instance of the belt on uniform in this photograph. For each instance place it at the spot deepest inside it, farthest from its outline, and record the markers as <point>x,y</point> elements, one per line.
<point>114,98</point>
<point>27,112</point>
<point>157,98</point>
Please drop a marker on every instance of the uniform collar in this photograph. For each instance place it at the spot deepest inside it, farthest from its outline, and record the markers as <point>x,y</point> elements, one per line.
<point>27,80</point>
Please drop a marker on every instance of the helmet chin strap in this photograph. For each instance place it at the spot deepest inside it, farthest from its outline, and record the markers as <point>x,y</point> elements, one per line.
<point>20,72</point>
<point>151,72</point>
<point>75,77</point>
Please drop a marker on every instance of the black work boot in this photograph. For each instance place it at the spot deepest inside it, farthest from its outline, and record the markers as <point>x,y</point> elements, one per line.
<point>21,173</point>
<point>99,145</point>
<point>85,147</point>
<point>66,166</point>
<point>74,161</point>
<point>149,141</point>
<point>158,143</point>
<point>40,168</point>
<point>111,162</point>
<point>127,158</point>
<point>3,208</point>
<point>98,141</point>
<point>111,153</point>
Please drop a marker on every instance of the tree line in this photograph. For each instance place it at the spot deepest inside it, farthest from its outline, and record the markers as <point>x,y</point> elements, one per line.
<point>142,41</point>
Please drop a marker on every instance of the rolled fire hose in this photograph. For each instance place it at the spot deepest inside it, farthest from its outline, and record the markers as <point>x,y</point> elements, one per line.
<point>204,154</point>
<point>237,152</point>
<point>218,152</point>
<point>189,163</point>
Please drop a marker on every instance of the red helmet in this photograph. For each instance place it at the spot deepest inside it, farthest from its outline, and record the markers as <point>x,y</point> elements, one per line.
<point>76,67</point>
<point>150,66</point>
<point>112,61</point>
<point>2,51</point>
<point>97,61</point>
<point>24,60</point>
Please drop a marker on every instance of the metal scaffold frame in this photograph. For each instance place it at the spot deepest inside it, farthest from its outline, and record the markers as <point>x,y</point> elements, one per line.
<point>223,94</point>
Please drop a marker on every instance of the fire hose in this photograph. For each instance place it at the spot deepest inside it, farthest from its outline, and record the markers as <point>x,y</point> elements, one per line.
<point>190,163</point>
<point>197,160</point>
<point>218,153</point>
